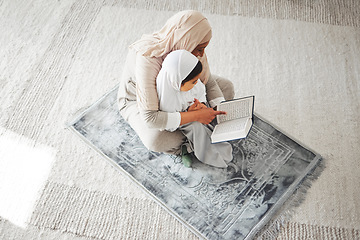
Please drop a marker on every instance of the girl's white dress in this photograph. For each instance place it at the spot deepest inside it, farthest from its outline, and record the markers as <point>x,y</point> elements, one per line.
<point>176,67</point>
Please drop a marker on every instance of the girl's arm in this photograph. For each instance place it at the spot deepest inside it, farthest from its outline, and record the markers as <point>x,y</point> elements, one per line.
<point>148,102</point>
<point>204,116</point>
<point>160,119</point>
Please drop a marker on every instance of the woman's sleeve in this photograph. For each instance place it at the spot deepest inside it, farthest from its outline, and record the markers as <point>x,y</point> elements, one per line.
<point>162,120</point>
<point>146,71</point>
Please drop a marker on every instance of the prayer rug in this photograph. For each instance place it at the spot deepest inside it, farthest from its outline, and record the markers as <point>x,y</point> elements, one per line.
<point>232,203</point>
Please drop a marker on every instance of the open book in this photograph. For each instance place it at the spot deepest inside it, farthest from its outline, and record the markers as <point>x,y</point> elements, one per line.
<point>237,122</point>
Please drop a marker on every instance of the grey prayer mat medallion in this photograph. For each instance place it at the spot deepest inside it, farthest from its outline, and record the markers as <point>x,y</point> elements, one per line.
<point>232,203</point>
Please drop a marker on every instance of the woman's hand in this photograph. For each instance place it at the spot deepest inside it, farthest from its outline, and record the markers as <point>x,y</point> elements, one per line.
<point>197,105</point>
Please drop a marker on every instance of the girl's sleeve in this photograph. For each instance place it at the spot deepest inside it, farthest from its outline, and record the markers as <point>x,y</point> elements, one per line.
<point>146,71</point>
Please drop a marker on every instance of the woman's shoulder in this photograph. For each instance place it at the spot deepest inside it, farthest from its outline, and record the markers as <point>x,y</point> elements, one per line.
<point>147,60</point>
<point>146,68</point>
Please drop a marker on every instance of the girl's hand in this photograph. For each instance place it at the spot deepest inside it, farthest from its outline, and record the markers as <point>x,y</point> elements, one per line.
<point>203,115</point>
<point>197,105</point>
<point>206,115</point>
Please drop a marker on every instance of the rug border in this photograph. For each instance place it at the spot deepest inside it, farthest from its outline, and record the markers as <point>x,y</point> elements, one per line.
<point>286,196</point>
<point>288,193</point>
<point>110,161</point>
<point>69,125</point>
<point>264,220</point>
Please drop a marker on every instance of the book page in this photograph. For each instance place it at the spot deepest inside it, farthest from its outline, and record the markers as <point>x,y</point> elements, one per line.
<point>240,108</point>
<point>231,126</point>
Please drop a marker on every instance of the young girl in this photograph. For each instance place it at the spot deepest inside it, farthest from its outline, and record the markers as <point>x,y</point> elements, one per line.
<point>179,90</point>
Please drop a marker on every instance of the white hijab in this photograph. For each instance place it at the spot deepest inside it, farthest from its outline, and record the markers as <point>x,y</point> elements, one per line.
<point>175,68</point>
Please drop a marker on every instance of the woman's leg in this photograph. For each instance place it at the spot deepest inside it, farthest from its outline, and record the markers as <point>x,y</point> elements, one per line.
<point>153,139</point>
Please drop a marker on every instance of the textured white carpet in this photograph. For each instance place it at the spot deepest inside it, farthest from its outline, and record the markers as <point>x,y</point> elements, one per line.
<point>301,60</point>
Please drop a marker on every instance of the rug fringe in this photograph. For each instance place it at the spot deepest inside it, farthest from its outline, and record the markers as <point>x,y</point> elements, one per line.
<point>272,229</point>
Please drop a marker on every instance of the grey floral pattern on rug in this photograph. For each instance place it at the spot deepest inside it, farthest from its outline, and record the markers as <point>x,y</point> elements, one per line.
<point>232,203</point>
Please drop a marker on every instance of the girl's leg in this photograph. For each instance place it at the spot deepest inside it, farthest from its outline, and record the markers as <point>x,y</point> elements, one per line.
<point>198,135</point>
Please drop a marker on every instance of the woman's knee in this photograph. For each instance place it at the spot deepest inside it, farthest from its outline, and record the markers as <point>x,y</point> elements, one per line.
<point>164,141</point>
<point>153,139</point>
<point>226,86</point>
<point>228,90</point>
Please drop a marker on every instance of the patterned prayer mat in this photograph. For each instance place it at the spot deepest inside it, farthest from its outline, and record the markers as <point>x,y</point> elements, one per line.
<point>232,203</point>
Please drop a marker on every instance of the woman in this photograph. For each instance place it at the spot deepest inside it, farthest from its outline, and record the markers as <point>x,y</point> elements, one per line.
<point>137,96</point>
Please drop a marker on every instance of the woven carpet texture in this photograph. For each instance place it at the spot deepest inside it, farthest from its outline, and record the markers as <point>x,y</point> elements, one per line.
<point>301,59</point>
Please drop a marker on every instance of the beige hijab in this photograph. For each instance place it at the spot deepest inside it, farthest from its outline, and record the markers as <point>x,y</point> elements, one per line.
<point>185,30</point>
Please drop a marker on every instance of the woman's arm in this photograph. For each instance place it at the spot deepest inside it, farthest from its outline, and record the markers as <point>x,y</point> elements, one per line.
<point>146,71</point>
